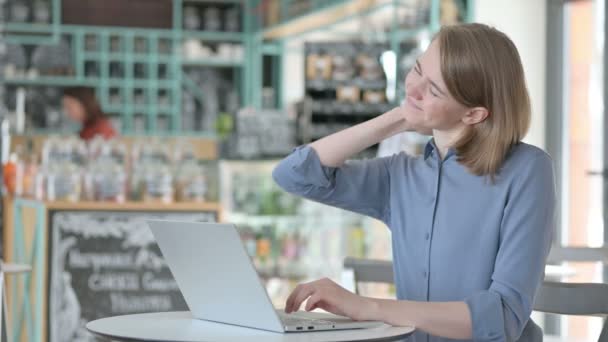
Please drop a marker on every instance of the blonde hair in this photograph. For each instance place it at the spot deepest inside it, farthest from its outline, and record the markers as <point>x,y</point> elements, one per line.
<point>482,68</point>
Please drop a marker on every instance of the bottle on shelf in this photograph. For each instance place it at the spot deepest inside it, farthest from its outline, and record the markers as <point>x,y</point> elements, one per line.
<point>30,182</point>
<point>190,180</point>
<point>106,177</point>
<point>9,174</point>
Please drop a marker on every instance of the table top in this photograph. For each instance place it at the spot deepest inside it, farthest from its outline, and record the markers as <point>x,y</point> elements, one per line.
<point>182,327</point>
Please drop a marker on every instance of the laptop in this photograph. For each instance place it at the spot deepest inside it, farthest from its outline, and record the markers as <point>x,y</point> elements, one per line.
<point>220,284</point>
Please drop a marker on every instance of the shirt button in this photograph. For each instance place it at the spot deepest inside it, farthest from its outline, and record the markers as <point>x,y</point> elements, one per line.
<point>425,274</point>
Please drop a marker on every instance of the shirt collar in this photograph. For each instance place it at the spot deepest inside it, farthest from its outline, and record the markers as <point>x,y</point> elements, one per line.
<point>430,147</point>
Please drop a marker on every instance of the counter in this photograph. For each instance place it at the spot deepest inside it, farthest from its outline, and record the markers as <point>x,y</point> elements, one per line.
<point>89,260</point>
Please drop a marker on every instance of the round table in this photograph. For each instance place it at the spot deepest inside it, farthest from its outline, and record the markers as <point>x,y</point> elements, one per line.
<point>182,327</point>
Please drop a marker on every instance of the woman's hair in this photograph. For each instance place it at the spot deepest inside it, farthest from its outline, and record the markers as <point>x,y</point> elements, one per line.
<point>482,68</point>
<point>86,96</point>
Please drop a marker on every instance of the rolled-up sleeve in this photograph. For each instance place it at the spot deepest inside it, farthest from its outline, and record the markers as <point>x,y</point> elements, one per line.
<point>360,186</point>
<point>502,312</point>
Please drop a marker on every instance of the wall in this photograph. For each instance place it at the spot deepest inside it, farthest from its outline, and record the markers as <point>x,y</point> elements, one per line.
<point>525,22</point>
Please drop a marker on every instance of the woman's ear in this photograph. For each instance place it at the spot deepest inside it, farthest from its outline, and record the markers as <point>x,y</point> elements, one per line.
<point>475,115</point>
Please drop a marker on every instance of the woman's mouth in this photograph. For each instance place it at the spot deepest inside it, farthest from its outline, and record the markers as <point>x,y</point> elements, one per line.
<point>411,103</point>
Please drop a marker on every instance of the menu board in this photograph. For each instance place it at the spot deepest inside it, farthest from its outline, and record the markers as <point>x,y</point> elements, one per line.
<point>107,264</point>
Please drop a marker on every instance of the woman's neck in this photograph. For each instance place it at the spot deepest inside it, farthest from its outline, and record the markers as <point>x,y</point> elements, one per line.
<point>446,139</point>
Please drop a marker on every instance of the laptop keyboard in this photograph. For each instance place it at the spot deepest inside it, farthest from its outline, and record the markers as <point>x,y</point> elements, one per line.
<point>301,321</point>
<point>304,321</point>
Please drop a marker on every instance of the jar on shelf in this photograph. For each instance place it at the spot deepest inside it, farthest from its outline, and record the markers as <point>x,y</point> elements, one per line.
<point>158,185</point>
<point>106,182</point>
<point>28,172</point>
<point>106,176</point>
<point>63,183</point>
<point>191,183</point>
<point>190,178</point>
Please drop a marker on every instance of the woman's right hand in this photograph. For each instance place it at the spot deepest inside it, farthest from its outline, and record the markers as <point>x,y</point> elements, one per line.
<point>403,125</point>
<point>334,149</point>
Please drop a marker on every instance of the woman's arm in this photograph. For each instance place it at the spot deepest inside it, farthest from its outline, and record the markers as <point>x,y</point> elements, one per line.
<point>318,171</point>
<point>445,319</point>
<point>334,149</point>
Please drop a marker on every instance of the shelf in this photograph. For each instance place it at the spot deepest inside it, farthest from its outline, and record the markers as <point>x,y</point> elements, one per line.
<point>141,83</point>
<point>130,206</point>
<point>123,56</point>
<point>215,36</point>
<point>12,27</point>
<point>160,57</point>
<point>336,108</point>
<point>180,134</point>
<point>49,131</point>
<point>348,117</point>
<point>214,62</point>
<point>362,84</point>
<point>329,13</point>
<point>164,110</point>
<point>113,108</point>
<point>61,81</point>
<point>138,109</point>
<point>221,2</point>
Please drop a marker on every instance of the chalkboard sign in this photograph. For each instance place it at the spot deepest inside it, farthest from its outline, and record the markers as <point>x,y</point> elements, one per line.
<point>107,264</point>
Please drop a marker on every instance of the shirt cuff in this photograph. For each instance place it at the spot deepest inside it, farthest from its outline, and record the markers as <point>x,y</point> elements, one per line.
<point>486,316</point>
<point>306,167</point>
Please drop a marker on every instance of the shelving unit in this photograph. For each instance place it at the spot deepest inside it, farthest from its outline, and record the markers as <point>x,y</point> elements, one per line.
<point>139,74</point>
<point>265,25</point>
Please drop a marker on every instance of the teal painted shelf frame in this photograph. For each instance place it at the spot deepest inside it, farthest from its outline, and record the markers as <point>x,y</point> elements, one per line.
<point>23,312</point>
<point>161,94</point>
<point>247,72</point>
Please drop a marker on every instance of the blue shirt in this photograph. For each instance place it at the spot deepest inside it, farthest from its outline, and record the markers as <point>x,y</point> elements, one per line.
<point>455,236</point>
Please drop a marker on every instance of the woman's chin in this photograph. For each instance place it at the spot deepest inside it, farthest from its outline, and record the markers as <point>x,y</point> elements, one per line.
<point>422,129</point>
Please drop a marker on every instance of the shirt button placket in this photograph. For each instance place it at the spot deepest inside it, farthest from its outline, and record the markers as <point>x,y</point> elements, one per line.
<point>427,235</point>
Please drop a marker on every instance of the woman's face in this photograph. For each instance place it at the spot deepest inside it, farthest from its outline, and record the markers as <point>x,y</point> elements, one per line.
<point>428,105</point>
<point>73,109</point>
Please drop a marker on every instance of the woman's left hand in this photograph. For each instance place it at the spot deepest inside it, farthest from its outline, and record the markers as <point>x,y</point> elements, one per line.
<point>329,296</point>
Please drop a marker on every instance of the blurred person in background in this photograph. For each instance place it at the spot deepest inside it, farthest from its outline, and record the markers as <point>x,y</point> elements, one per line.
<point>81,106</point>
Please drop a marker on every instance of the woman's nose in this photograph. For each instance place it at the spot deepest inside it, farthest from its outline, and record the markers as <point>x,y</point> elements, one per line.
<point>415,89</point>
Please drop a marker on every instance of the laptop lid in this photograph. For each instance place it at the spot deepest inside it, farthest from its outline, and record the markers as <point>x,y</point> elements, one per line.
<point>215,274</point>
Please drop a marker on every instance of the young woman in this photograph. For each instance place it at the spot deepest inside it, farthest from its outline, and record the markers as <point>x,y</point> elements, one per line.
<point>81,106</point>
<point>471,219</point>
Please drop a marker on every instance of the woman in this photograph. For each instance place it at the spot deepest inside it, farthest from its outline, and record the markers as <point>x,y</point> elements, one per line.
<point>81,106</point>
<point>471,219</point>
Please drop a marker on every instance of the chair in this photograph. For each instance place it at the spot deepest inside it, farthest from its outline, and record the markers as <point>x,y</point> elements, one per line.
<point>369,271</point>
<point>586,299</point>
<point>7,269</point>
<point>553,297</point>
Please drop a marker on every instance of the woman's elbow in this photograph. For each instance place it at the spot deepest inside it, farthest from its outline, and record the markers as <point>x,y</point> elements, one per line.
<point>515,320</point>
<point>279,176</point>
